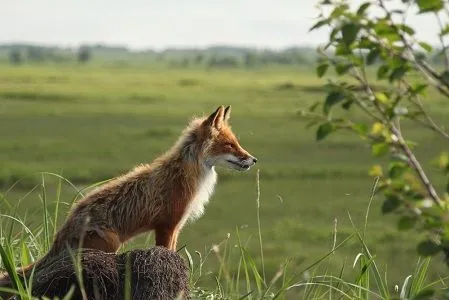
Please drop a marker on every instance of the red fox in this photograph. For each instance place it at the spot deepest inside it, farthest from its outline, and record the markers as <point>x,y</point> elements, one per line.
<point>161,196</point>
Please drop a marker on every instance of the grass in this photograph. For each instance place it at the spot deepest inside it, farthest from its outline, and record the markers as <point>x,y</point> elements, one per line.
<point>92,123</point>
<point>238,274</point>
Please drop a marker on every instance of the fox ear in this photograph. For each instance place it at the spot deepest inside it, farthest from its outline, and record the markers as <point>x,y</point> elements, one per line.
<point>216,118</point>
<point>227,114</point>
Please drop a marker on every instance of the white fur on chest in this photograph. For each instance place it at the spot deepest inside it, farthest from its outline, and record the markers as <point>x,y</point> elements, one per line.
<point>205,190</point>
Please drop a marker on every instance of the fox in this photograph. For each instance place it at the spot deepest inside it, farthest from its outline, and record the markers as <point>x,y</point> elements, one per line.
<point>160,196</point>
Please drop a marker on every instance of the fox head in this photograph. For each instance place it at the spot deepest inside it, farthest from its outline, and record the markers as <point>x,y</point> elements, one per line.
<point>221,147</point>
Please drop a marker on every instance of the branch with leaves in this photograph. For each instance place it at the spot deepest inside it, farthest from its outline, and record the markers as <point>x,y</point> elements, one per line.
<point>361,43</point>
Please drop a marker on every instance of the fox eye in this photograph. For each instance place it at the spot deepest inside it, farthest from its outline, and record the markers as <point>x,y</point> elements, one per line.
<point>229,146</point>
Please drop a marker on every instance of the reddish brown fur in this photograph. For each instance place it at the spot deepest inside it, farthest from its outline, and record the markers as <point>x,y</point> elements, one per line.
<point>227,143</point>
<point>152,196</point>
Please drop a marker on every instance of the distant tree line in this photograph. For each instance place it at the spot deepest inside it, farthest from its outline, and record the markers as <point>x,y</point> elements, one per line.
<point>211,57</point>
<point>20,54</point>
<point>236,57</point>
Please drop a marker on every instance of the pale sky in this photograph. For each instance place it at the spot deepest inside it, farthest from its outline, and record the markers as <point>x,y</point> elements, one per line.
<point>140,24</point>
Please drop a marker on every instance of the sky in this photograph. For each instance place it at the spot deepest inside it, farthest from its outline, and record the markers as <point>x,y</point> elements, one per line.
<point>158,24</point>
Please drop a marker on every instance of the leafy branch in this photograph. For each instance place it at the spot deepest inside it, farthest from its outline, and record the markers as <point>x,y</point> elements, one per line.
<point>362,44</point>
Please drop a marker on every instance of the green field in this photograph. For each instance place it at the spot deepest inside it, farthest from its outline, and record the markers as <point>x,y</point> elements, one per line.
<point>92,123</point>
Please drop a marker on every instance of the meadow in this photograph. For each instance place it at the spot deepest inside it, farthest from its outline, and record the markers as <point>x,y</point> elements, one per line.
<point>91,123</point>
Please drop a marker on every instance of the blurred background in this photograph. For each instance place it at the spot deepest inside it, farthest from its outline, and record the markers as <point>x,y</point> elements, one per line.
<point>89,89</point>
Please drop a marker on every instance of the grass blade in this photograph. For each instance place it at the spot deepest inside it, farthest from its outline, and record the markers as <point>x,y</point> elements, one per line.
<point>259,226</point>
<point>45,211</point>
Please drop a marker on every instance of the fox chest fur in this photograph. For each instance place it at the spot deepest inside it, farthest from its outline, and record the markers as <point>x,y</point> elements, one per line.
<point>204,190</point>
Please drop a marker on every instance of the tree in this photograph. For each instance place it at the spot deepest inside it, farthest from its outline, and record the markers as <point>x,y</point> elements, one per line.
<point>358,39</point>
<point>84,54</point>
<point>223,62</point>
<point>185,62</point>
<point>199,58</point>
<point>15,57</point>
<point>250,59</point>
<point>35,54</point>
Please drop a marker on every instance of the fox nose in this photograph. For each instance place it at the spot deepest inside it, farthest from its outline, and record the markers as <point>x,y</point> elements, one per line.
<point>254,160</point>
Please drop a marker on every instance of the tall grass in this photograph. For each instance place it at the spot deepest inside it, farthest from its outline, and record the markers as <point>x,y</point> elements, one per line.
<point>238,275</point>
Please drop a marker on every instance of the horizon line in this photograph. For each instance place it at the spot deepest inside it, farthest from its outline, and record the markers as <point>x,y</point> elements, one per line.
<point>158,49</point>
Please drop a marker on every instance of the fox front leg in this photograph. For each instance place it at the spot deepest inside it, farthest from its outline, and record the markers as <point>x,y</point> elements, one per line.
<point>165,237</point>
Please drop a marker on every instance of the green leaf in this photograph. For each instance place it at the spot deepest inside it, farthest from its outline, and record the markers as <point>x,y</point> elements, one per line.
<point>342,68</point>
<point>342,50</point>
<point>406,29</point>
<point>443,160</point>
<point>419,88</point>
<point>398,73</point>
<point>375,171</point>
<point>321,69</point>
<point>360,128</point>
<point>319,24</point>
<point>324,130</point>
<point>334,33</point>
<point>397,169</point>
<point>379,149</point>
<point>411,144</point>
<point>347,104</point>
<point>349,32</point>
<point>381,97</point>
<point>382,27</point>
<point>339,10</point>
<point>385,30</point>
<point>407,222</point>
<point>400,157</point>
<point>425,46</point>
<point>365,43</point>
<point>429,5</point>
<point>396,62</point>
<point>332,98</point>
<point>445,30</point>
<point>382,72</point>
<point>390,204</point>
<point>372,56</point>
<point>363,8</point>
<point>433,223</point>
<point>377,128</point>
<point>428,248</point>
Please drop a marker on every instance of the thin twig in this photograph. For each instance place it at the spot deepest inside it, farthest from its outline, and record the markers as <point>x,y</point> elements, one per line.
<point>427,68</point>
<point>431,123</point>
<point>431,127</point>
<point>416,165</point>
